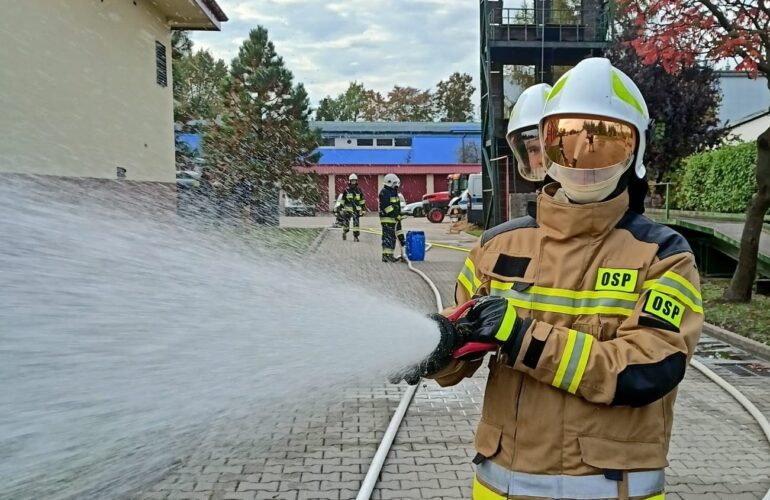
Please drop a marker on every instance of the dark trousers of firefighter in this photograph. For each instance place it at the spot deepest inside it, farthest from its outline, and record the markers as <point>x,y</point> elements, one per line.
<point>354,217</point>
<point>400,235</point>
<point>388,238</point>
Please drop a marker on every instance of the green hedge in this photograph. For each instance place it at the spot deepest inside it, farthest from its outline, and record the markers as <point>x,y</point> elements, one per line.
<point>721,180</point>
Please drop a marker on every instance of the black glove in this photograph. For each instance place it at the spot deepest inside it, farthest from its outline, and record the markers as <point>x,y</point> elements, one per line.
<point>451,338</point>
<point>494,319</point>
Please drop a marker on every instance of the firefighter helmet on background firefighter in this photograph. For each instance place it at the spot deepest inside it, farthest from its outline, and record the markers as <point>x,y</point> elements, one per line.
<point>523,137</point>
<point>392,180</point>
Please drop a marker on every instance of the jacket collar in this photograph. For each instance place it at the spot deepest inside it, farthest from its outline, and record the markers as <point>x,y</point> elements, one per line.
<point>566,220</point>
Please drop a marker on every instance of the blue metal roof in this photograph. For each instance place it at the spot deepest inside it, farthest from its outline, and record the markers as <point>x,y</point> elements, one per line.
<point>425,150</point>
<point>432,143</point>
<point>193,141</point>
<point>342,129</point>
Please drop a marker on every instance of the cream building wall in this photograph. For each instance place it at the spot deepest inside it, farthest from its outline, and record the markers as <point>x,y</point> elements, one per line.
<point>78,91</point>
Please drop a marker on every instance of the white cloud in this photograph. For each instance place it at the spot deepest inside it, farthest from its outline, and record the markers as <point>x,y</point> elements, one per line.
<point>328,43</point>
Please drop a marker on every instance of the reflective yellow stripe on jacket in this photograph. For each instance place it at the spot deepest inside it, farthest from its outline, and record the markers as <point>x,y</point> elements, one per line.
<point>468,279</point>
<point>573,361</point>
<point>570,302</point>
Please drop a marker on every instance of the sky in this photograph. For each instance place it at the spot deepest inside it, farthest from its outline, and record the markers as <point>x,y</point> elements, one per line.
<point>328,43</point>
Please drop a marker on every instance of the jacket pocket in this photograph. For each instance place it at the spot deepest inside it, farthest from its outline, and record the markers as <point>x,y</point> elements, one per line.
<point>487,440</point>
<point>622,455</point>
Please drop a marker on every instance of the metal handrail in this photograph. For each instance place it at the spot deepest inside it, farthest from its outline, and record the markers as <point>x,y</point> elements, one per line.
<point>565,20</point>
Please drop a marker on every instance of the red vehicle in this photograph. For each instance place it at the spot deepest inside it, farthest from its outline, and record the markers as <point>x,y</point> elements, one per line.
<point>436,205</point>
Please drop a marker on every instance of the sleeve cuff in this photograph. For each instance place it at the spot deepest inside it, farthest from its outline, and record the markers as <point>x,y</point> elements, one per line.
<point>532,344</point>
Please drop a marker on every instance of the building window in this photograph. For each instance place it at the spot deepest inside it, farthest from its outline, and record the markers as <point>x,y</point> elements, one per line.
<point>327,141</point>
<point>365,142</point>
<point>161,72</point>
<point>405,142</point>
<point>385,142</point>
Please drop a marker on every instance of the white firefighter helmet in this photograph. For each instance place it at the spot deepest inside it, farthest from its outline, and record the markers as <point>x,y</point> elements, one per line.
<point>594,127</point>
<point>352,177</point>
<point>392,180</point>
<point>523,137</point>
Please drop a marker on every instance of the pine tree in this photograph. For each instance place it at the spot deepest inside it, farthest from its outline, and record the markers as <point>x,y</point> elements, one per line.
<point>263,135</point>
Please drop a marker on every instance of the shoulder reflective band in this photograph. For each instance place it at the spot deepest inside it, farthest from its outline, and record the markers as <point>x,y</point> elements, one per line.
<point>506,327</point>
<point>468,279</point>
<point>573,361</point>
<point>673,284</point>
<point>621,280</point>
<point>570,302</point>
<point>664,307</point>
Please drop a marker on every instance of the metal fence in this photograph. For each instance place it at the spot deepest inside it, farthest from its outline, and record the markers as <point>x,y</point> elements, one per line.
<point>559,25</point>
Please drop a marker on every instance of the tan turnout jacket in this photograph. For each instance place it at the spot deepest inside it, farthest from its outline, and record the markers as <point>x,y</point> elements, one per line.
<point>586,408</point>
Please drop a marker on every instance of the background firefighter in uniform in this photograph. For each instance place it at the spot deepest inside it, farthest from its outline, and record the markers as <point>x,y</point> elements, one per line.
<point>592,309</point>
<point>390,217</point>
<point>353,207</point>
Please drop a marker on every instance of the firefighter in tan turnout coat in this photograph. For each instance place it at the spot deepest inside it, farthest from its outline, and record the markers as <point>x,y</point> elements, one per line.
<point>594,309</point>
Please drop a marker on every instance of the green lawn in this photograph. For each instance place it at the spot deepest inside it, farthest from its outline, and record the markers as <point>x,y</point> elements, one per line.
<point>475,232</point>
<point>296,239</point>
<point>751,320</point>
<point>282,240</point>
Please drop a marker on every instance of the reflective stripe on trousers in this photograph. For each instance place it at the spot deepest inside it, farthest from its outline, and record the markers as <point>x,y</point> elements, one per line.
<point>481,492</point>
<point>646,484</point>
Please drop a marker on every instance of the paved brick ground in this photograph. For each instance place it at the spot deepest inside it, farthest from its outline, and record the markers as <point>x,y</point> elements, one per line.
<point>324,449</point>
<point>314,450</point>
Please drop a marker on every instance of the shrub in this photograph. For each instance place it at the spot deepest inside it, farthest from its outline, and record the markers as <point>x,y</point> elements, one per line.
<point>720,180</point>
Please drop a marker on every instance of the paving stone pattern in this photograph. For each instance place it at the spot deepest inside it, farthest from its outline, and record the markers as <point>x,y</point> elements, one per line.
<point>324,449</point>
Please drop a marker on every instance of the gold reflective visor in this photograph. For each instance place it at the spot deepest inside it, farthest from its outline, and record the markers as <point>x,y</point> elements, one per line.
<point>586,142</point>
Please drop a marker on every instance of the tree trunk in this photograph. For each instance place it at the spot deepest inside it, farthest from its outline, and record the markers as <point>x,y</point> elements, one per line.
<point>743,280</point>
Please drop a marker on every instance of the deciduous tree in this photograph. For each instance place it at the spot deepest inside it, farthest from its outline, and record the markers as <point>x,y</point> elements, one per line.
<point>681,33</point>
<point>684,106</point>
<point>408,104</point>
<point>452,98</point>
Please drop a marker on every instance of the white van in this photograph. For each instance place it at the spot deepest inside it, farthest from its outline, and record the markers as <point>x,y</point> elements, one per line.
<point>475,199</point>
<point>297,207</point>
